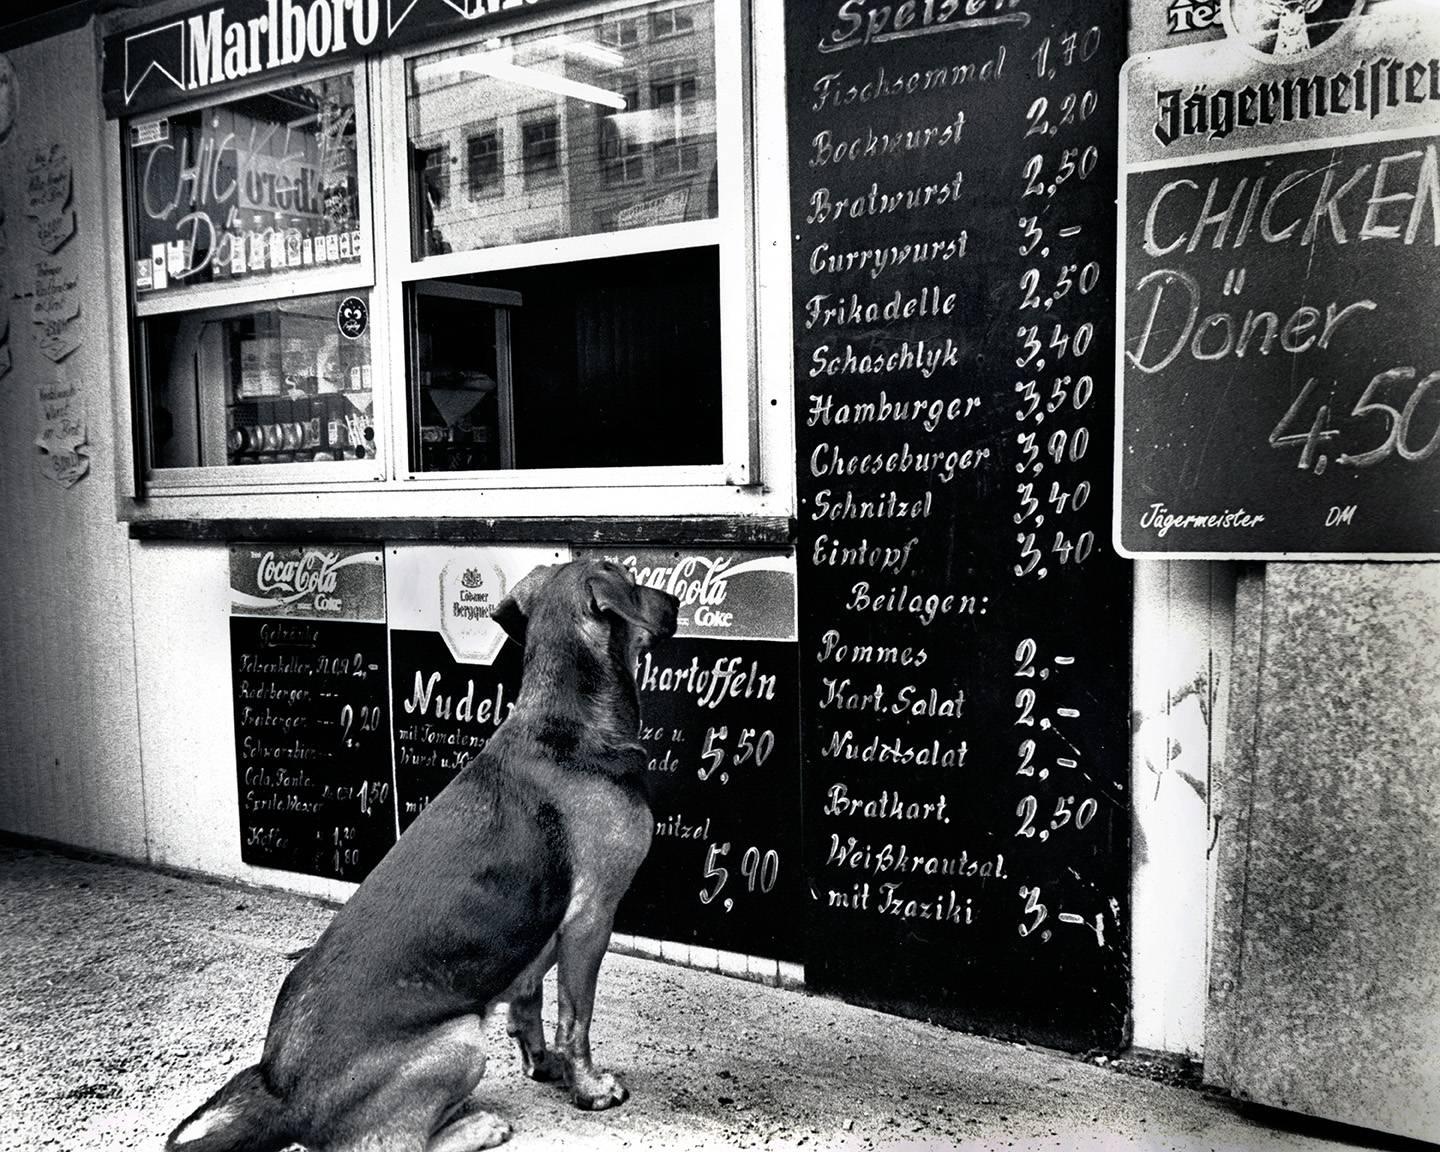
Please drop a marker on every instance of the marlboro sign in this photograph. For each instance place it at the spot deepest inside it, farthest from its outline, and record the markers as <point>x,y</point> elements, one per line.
<point>223,45</point>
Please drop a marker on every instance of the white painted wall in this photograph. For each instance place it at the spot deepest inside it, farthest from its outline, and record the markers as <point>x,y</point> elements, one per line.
<point>1184,616</point>
<point>70,764</point>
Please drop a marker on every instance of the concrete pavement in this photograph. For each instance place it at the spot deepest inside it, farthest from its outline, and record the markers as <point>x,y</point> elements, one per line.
<point>128,995</point>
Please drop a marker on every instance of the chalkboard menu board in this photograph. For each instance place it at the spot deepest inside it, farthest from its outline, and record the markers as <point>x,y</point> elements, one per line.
<point>1280,356</point>
<point>719,707</point>
<point>312,723</point>
<point>964,623</point>
<point>445,712</point>
<point>454,673</point>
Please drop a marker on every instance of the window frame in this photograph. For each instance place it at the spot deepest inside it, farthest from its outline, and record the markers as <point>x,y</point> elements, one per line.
<point>732,238</point>
<point>359,277</point>
<point>754,280</point>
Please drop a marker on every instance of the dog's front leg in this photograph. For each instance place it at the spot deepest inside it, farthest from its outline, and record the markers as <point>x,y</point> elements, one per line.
<point>526,997</point>
<point>582,948</point>
<point>529,1034</point>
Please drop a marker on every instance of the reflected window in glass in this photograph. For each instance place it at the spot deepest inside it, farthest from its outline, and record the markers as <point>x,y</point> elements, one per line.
<point>546,88</point>
<point>485,163</point>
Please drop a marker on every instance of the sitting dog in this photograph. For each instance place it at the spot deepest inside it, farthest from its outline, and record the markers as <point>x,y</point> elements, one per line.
<point>375,1041</point>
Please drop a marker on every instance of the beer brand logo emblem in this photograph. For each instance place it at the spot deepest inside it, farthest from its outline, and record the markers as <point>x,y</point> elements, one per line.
<point>1191,16</point>
<point>1285,30</point>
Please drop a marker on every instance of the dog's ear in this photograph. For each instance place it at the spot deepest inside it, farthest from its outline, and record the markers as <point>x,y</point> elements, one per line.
<point>645,608</point>
<point>513,612</point>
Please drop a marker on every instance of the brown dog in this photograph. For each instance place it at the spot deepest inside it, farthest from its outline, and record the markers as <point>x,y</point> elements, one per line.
<point>375,1041</point>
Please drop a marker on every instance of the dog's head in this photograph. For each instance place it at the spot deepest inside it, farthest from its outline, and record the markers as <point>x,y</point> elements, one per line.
<point>597,598</point>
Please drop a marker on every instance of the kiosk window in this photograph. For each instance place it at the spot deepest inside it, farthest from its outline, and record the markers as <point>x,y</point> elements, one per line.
<point>522,260</point>
<point>607,350</point>
<point>251,284</point>
<point>576,181</point>
<point>234,192</point>
<point>269,383</point>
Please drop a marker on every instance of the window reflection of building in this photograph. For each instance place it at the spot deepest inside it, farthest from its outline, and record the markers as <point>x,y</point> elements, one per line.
<point>485,162</point>
<point>588,127</point>
<point>540,149</point>
<point>622,155</point>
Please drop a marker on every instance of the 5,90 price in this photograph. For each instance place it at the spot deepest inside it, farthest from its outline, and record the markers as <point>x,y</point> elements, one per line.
<point>760,870</point>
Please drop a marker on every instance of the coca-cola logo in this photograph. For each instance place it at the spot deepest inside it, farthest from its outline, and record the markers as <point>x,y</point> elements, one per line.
<point>691,579</point>
<point>312,573</point>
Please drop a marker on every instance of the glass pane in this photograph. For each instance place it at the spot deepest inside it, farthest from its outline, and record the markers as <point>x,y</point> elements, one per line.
<point>455,406</point>
<point>246,188</point>
<point>594,125</point>
<point>591,364</point>
<point>282,382</point>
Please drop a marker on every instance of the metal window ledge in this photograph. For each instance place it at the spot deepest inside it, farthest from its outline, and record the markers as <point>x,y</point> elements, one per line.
<point>687,531</point>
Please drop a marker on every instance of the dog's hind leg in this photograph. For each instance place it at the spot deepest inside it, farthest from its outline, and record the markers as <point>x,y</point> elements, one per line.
<point>422,1104</point>
<point>526,996</point>
<point>470,1133</point>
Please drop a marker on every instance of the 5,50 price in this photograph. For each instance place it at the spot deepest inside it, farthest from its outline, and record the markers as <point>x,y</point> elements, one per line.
<point>751,745</point>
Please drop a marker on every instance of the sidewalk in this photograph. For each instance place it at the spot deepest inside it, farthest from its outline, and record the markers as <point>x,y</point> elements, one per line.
<point>128,996</point>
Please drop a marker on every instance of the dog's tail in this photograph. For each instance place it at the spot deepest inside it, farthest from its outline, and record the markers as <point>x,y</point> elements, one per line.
<point>244,1116</point>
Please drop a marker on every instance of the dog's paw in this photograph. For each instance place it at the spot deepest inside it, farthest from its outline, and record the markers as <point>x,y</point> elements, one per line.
<point>598,1091</point>
<point>471,1133</point>
<point>545,1066</point>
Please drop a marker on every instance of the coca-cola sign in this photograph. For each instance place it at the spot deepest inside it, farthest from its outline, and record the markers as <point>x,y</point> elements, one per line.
<point>734,594</point>
<point>330,582</point>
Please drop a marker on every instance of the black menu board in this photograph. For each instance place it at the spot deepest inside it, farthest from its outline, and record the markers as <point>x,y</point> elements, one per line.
<point>445,712</point>
<point>454,674</point>
<point>724,869</point>
<point>719,714</point>
<point>964,623</point>
<point>312,723</point>
<point>1280,357</point>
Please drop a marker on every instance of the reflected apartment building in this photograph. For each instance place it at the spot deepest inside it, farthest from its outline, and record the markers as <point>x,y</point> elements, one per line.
<point>588,128</point>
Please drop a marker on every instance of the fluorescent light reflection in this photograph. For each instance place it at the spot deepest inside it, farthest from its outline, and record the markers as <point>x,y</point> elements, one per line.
<point>499,64</point>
